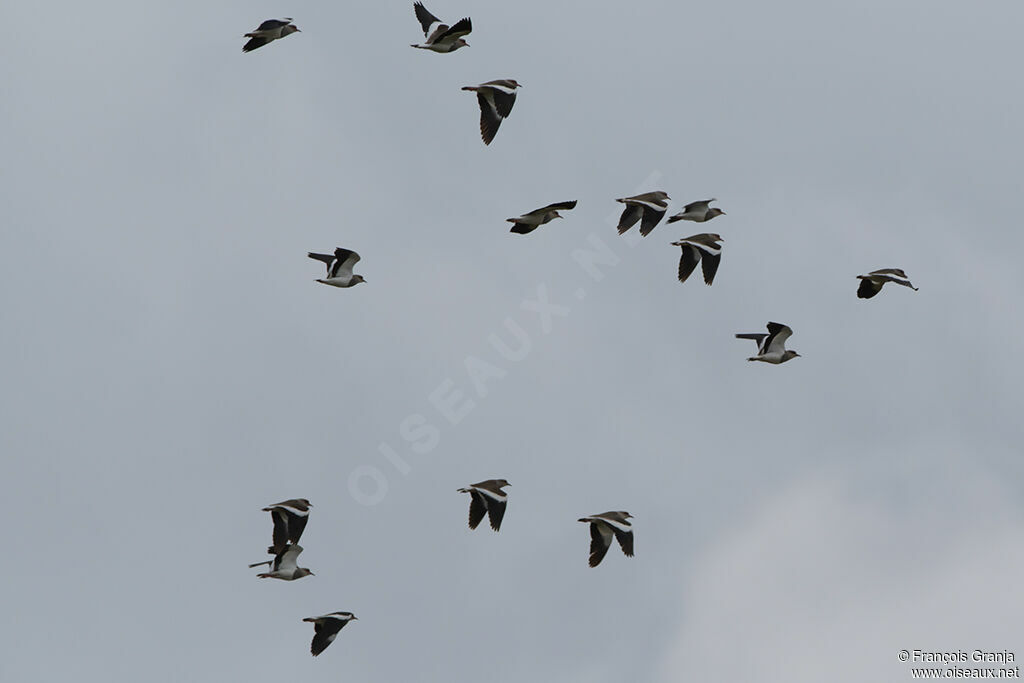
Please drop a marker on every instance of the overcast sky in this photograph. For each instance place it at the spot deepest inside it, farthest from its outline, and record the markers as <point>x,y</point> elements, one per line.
<point>171,366</point>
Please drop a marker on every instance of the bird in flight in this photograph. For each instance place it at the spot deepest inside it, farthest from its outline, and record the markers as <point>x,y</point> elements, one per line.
<point>284,566</point>
<point>871,283</point>
<point>269,30</point>
<point>325,629</point>
<point>487,498</point>
<point>290,519</point>
<point>603,528</point>
<point>698,212</point>
<point>651,206</point>
<point>339,267</point>
<point>704,248</point>
<point>440,36</point>
<point>496,99</point>
<point>771,347</point>
<point>532,220</point>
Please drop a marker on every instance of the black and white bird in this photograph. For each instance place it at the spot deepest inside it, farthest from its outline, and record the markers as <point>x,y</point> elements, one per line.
<point>487,498</point>
<point>771,347</point>
<point>529,222</point>
<point>603,527</point>
<point>326,627</point>
<point>339,267</point>
<point>705,248</point>
<point>440,36</point>
<point>698,212</point>
<point>290,519</point>
<point>496,99</point>
<point>284,565</point>
<point>269,30</point>
<point>651,206</point>
<point>871,283</point>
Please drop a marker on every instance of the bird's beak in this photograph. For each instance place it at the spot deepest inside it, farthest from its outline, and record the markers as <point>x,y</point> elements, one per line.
<point>355,618</point>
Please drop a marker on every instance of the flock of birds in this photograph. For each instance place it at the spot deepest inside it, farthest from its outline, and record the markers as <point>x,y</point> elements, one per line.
<point>487,499</point>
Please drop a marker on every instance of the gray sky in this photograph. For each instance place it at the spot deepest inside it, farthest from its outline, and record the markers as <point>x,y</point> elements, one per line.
<point>172,366</point>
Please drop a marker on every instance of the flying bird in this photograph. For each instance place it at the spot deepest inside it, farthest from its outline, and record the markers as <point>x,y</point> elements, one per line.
<point>871,283</point>
<point>704,248</point>
<point>698,212</point>
<point>339,267</point>
<point>284,565</point>
<point>496,99</point>
<point>771,347</point>
<point>603,527</point>
<point>651,206</point>
<point>290,519</point>
<point>487,498</point>
<point>326,628</point>
<point>269,30</point>
<point>440,36</point>
<point>529,222</point>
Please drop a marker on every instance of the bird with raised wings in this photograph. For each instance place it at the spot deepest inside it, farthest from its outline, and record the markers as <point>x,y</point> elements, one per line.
<point>440,36</point>
<point>771,347</point>
<point>284,565</point>
<point>339,267</point>
<point>698,212</point>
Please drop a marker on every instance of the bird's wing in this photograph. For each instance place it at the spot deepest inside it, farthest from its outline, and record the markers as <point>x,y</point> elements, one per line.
<point>523,228</point>
<point>701,206</point>
<point>777,336</point>
<point>495,513</point>
<point>557,206</point>
<point>490,120</point>
<point>630,215</point>
<point>898,272</point>
<point>326,258</point>
<point>504,98</point>
<point>324,634</point>
<point>477,508</point>
<point>450,34</point>
<point>426,18</point>
<point>280,518</point>
<point>600,540</point>
<point>625,539</point>
<point>688,261</point>
<point>345,259</point>
<point>709,264</point>
<point>254,43</point>
<point>868,287</point>
<point>652,217</point>
<point>287,560</point>
<point>880,278</point>
<point>273,24</point>
<point>296,525</point>
<point>756,336</point>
